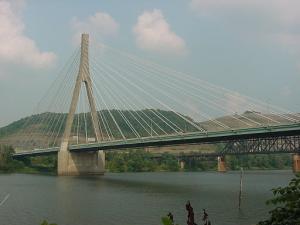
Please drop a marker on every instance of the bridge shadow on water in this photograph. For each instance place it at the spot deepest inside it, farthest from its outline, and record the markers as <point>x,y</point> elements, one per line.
<point>136,184</point>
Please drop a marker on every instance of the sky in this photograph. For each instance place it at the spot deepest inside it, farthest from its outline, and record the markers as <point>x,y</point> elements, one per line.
<point>249,46</point>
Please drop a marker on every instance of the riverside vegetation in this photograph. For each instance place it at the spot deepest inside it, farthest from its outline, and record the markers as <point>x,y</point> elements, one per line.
<point>142,161</point>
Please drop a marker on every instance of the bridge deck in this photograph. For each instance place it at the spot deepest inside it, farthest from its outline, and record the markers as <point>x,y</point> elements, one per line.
<point>184,138</point>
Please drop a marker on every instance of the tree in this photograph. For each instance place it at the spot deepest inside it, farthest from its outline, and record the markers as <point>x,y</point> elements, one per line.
<point>288,200</point>
<point>169,162</point>
<point>116,162</point>
<point>7,164</point>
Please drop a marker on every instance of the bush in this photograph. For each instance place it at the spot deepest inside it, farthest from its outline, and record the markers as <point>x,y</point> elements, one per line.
<point>288,200</point>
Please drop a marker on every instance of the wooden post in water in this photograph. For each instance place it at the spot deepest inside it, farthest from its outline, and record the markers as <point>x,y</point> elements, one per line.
<point>241,187</point>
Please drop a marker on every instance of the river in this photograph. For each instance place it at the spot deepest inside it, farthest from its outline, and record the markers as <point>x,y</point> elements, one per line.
<point>136,198</point>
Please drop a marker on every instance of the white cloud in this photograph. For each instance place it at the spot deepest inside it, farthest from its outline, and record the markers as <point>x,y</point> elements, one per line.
<point>15,46</point>
<point>153,33</point>
<point>98,26</point>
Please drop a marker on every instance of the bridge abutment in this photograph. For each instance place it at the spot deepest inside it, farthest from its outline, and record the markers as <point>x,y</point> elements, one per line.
<point>296,163</point>
<point>221,164</point>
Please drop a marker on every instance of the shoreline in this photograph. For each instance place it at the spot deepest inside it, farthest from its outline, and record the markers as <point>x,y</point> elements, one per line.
<point>187,171</point>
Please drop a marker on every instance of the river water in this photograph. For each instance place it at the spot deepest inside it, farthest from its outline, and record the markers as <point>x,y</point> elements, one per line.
<point>136,198</point>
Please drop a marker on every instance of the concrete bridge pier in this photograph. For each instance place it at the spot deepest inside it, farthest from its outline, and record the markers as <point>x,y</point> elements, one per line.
<point>81,163</point>
<point>181,164</point>
<point>296,163</point>
<point>221,164</point>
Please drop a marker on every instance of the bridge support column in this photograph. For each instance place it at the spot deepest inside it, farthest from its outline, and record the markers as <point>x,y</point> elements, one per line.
<point>296,163</point>
<point>221,164</point>
<point>81,163</point>
<point>181,164</point>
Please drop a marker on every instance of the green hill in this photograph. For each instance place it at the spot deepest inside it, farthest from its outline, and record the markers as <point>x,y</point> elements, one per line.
<point>43,126</point>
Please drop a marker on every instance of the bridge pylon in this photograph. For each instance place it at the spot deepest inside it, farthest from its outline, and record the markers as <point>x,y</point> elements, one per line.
<point>83,163</point>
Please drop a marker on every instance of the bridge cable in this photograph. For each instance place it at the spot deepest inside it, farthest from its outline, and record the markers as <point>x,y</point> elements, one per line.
<point>132,110</point>
<point>114,97</point>
<point>109,111</point>
<point>157,113</point>
<point>132,102</point>
<point>146,71</point>
<point>163,104</point>
<point>207,84</point>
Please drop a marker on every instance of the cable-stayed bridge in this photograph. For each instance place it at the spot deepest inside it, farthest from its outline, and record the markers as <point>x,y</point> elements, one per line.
<point>132,103</point>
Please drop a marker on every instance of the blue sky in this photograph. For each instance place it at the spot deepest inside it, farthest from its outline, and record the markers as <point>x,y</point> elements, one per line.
<point>250,46</point>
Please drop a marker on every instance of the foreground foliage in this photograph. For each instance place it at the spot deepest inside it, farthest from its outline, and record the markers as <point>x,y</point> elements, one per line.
<point>166,221</point>
<point>169,219</point>
<point>46,223</point>
<point>287,202</point>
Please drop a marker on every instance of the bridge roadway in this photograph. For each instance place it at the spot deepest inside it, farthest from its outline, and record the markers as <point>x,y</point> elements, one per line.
<point>169,140</point>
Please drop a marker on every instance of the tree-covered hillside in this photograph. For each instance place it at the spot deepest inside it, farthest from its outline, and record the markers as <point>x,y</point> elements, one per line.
<point>41,127</point>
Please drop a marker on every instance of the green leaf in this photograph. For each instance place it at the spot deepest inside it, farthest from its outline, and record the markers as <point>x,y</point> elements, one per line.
<point>166,221</point>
